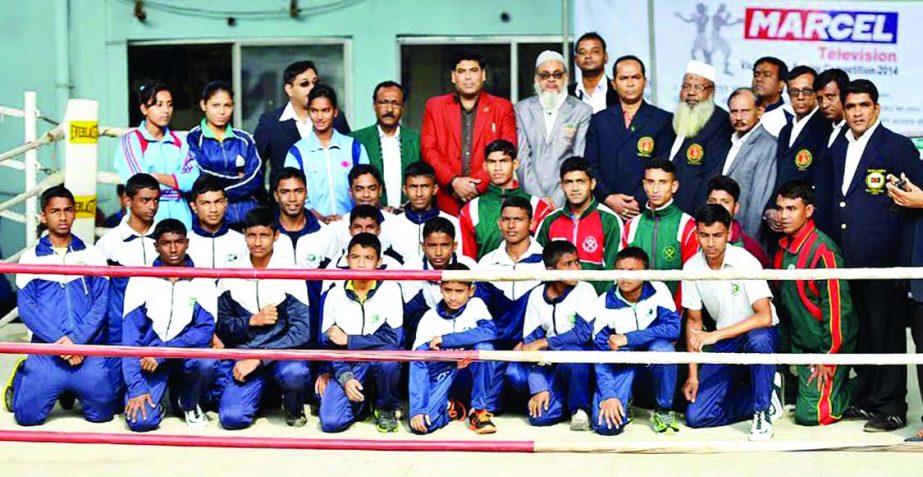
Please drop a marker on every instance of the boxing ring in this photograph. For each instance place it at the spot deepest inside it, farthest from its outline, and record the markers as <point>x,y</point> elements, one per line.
<point>79,152</point>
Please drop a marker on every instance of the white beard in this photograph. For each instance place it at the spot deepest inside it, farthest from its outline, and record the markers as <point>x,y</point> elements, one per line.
<point>550,100</point>
<point>689,120</point>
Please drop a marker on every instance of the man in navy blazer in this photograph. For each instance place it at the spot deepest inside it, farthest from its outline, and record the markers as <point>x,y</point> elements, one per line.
<point>624,137</point>
<point>802,142</point>
<point>703,136</point>
<point>279,129</point>
<point>869,227</point>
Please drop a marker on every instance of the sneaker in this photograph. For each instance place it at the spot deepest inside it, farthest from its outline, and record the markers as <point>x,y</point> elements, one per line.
<point>385,420</point>
<point>456,410</point>
<point>8,388</point>
<point>295,417</point>
<point>665,421</point>
<point>884,423</point>
<point>480,422</point>
<point>776,411</point>
<point>195,418</point>
<point>761,428</point>
<point>856,412</point>
<point>580,421</point>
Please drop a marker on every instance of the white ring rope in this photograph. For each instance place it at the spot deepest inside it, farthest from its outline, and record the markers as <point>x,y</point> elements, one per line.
<point>50,181</point>
<point>682,357</point>
<point>896,273</point>
<point>47,138</point>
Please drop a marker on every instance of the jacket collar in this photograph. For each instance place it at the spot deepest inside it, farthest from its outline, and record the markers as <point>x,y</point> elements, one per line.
<point>667,209</point>
<point>444,313</point>
<point>311,225</point>
<point>589,210</point>
<point>198,230</point>
<point>351,292</point>
<point>615,301</point>
<point>187,263</point>
<point>794,244</point>
<point>44,247</point>
<point>555,301</point>
<point>421,217</point>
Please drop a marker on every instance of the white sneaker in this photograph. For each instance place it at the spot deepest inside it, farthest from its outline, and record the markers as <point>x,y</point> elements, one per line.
<point>195,418</point>
<point>580,421</point>
<point>761,428</point>
<point>776,410</point>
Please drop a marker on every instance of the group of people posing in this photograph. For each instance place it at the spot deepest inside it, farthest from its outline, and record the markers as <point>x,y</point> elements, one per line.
<point>583,176</point>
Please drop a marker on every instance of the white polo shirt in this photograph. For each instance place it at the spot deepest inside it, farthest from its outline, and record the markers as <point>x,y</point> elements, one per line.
<point>728,302</point>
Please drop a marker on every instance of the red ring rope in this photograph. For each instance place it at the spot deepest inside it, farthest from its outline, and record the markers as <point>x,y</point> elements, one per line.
<point>249,273</point>
<point>226,353</point>
<point>265,442</point>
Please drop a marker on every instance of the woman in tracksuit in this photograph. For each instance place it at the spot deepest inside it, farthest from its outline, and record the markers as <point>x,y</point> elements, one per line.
<point>155,149</point>
<point>226,153</point>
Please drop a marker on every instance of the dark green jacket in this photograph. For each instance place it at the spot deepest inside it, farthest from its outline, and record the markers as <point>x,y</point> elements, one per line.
<point>410,151</point>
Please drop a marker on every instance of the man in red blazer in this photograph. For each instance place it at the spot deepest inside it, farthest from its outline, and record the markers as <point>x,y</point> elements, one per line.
<point>456,129</point>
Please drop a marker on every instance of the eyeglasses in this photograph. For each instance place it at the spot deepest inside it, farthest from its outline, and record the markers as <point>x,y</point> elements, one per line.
<point>393,104</point>
<point>806,92</point>
<point>544,75</point>
<point>698,88</point>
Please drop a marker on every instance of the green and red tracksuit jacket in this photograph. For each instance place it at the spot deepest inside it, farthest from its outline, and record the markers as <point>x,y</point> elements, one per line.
<point>478,219</point>
<point>597,234</point>
<point>818,313</point>
<point>667,235</point>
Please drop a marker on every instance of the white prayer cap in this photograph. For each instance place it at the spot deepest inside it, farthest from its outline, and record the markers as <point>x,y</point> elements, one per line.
<point>549,55</point>
<point>699,68</point>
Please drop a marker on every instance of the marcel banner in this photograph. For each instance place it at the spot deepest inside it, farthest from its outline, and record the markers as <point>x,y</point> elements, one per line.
<point>877,40</point>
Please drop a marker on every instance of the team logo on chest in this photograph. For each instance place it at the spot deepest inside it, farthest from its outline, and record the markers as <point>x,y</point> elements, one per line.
<point>645,146</point>
<point>735,289</point>
<point>590,244</point>
<point>875,181</point>
<point>803,159</point>
<point>694,154</point>
<point>670,252</point>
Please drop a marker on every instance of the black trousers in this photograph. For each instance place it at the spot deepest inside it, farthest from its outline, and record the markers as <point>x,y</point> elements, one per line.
<point>916,330</point>
<point>881,307</point>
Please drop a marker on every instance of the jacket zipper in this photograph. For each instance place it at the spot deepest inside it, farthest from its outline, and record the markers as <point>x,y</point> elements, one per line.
<point>654,240</point>
<point>258,307</point>
<point>170,319</point>
<point>213,251</point>
<point>362,308</point>
<point>554,318</point>
<point>67,295</point>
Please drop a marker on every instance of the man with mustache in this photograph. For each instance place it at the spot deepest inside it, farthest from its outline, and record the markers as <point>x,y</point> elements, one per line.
<point>827,87</point>
<point>751,160</point>
<point>282,127</point>
<point>624,137</point>
<point>594,88</point>
<point>456,128</point>
<point>769,74</point>
<point>703,134</point>
<point>390,146</point>
<point>551,126</point>
<point>869,228</point>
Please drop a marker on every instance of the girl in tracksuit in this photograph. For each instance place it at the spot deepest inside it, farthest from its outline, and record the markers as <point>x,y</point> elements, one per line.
<point>155,149</point>
<point>226,153</point>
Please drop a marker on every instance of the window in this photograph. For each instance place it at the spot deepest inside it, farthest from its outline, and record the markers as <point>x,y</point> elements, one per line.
<point>254,69</point>
<point>186,69</point>
<point>261,82</point>
<point>426,64</point>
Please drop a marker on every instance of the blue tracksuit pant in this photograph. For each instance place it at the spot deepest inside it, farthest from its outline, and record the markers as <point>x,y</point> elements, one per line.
<point>44,378</point>
<point>195,376</point>
<point>481,380</point>
<point>626,376</point>
<point>240,402</point>
<point>337,412</point>
<point>729,394</point>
